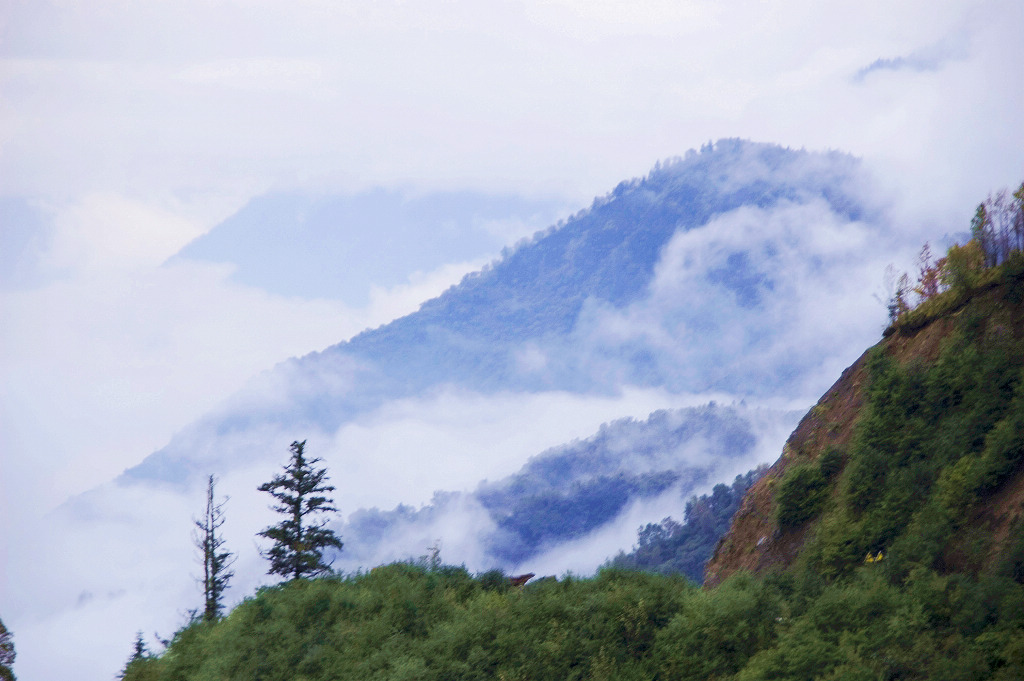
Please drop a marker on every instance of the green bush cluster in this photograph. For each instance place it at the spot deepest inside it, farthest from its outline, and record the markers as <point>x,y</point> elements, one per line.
<point>407,621</point>
<point>1009,274</point>
<point>935,439</point>
<point>411,622</point>
<point>831,463</point>
<point>802,494</point>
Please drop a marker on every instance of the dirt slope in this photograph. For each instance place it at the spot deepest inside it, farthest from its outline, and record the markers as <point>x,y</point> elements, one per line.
<point>755,542</point>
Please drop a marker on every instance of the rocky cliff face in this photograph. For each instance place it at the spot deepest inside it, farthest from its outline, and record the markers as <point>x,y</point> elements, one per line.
<point>756,542</point>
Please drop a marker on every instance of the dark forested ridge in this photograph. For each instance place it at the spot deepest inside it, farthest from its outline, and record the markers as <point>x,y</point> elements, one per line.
<point>569,491</point>
<point>673,547</point>
<point>887,542</point>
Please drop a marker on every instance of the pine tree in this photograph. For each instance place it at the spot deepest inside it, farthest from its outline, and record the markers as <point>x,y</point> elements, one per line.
<point>140,656</point>
<point>981,231</point>
<point>299,540</point>
<point>216,560</point>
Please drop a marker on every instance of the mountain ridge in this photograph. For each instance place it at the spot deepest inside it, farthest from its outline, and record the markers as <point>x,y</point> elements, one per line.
<point>758,542</point>
<point>569,309</point>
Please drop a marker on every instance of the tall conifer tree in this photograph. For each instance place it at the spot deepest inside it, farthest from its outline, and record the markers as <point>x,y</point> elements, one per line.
<point>216,560</point>
<point>299,539</point>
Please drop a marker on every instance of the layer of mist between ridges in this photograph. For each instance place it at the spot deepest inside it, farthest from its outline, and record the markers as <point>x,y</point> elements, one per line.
<point>570,491</point>
<point>607,298</point>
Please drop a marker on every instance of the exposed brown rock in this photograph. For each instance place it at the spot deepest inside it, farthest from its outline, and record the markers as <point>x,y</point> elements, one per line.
<point>520,580</point>
<point>755,543</point>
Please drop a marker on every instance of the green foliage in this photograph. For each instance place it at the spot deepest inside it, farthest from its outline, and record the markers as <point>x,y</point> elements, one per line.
<point>717,632</point>
<point>410,621</point>
<point>1012,563</point>
<point>299,540</point>
<point>670,547</point>
<point>7,653</point>
<point>831,463</point>
<point>141,666</point>
<point>993,255</point>
<point>802,494</point>
<point>934,440</point>
<point>495,580</point>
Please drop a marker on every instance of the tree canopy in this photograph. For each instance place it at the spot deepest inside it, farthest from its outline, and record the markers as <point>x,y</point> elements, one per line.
<point>300,539</point>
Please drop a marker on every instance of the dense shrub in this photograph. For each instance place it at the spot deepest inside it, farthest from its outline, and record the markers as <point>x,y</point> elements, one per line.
<point>410,622</point>
<point>831,463</point>
<point>717,632</point>
<point>802,494</point>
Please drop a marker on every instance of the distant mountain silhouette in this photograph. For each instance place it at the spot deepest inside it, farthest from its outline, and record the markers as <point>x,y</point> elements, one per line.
<point>339,247</point>
<point>537,318</point>
<point>605,255</point>
<point>569,491</point>
<point>709,275</point>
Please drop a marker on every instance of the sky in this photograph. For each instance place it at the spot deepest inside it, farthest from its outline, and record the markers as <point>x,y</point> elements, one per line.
<point>128,131</point>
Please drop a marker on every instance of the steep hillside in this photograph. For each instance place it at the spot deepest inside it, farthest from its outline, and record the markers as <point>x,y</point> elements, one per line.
<point>679,281</point>
<point>886,543</point>
<point>924,433</point>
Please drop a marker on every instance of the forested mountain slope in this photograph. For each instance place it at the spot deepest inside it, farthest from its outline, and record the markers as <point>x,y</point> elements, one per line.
<point>916,452</point>
<point>886,543</point>
<point>684,547</point>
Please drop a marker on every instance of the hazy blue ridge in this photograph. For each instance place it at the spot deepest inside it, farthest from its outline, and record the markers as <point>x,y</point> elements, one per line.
<point>572,490</point>
<point>329,246</point>
<point>532,320</point>
<point>606,253</point>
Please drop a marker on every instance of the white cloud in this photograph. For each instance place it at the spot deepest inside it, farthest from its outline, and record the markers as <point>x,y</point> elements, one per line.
<point>105,361</point>
<point>257,74</point>
<point>122,554</point>
<point>391,303</point>
<point>105,232</point>
<point>807,281</point>
<point>514,97</point>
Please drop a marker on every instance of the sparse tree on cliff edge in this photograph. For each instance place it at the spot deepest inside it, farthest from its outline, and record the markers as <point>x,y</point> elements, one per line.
<point>216,560</point>
<point>299,540</point>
